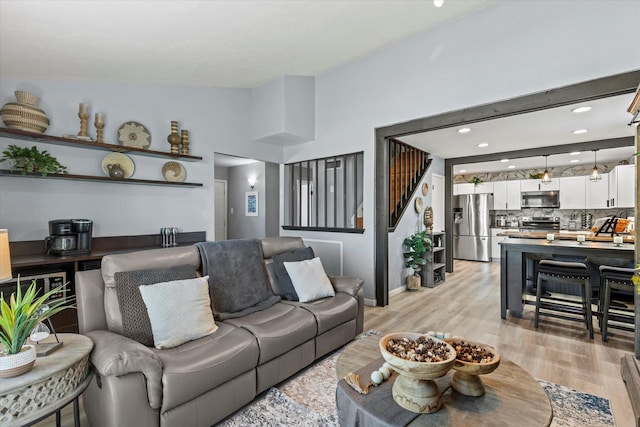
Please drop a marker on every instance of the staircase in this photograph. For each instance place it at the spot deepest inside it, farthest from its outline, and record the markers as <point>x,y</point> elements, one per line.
<point>407,166</point>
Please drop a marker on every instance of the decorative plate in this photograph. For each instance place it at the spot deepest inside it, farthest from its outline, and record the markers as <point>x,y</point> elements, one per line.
<point>134,134</point>
<point>123,160</point>
<point>418,204</point>
<point>425,189</point>
<point>174,172</point>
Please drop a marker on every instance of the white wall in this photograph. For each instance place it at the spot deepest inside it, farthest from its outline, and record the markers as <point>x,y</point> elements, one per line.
<point>218,120</point>
<point>500,52</point>
<point>503,51</point>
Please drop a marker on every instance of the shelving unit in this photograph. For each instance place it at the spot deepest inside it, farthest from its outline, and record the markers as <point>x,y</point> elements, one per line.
<point>434,272</point>
<point>69,142</point>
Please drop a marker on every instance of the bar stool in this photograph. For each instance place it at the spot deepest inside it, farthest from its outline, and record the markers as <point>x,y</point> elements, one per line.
<point>620,279</point>
<point>567,273</point>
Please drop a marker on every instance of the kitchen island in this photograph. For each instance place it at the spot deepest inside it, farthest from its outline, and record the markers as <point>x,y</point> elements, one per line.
<point>514,253</point>
<point>566,235</point>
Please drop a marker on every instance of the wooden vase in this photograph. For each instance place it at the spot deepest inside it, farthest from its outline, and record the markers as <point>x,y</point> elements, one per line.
<point>174,138</point>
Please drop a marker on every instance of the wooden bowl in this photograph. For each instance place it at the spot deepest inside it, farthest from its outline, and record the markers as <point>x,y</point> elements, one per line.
<point>466,380</point>
<point>414,389</point>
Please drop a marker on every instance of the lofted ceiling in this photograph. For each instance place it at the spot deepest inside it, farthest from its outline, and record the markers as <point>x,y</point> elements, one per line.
<point>244,44</point>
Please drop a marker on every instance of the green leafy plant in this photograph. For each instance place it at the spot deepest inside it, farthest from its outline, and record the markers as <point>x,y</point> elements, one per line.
<point>636,278</point>
<point>30,160</point>
<point>536,175</point>
<point>19,314</point>
<point>417,244</point>
<point>475,180</point>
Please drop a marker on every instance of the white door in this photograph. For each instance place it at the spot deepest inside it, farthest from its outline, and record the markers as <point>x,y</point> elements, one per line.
<point>437,201</point>
<point>220,215</point>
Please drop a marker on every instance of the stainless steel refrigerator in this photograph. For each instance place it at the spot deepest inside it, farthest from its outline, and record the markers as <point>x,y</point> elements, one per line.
<point>472,226</point>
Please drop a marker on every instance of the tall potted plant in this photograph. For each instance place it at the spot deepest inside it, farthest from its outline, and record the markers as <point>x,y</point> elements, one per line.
<point>19,315</point>
<point>417,245</point>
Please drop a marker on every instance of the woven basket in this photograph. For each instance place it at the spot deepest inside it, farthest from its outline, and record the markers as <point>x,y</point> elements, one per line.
<point>13,365</point>
<point>24,114</point>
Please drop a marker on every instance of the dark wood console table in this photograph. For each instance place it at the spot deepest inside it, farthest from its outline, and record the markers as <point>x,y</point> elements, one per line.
<point>29,257</point>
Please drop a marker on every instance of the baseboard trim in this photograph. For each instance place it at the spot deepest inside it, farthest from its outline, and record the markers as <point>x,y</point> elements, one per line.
<point>630,370</point>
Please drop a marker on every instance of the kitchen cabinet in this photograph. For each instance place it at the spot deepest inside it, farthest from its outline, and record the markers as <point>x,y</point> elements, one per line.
<point>495,240</point>
<point>536,185</point>
<point>622,181</point>
<point>506,195</point>
<point>483,188</point>
<point>92,145</point>
<point>465,188</point>
<point>597,192</point>
<point>572,192</point>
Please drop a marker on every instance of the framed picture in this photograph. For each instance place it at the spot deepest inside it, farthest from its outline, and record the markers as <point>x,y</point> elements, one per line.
<point>251,203</point>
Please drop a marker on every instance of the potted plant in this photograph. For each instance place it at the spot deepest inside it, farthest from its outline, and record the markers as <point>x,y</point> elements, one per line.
<point>417,244</point>
<point>30,160</point>
<point>475,181</point>
<point>19,315</point>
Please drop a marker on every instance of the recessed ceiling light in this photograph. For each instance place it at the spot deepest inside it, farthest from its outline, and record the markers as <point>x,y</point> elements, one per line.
<point>463,170</point>
<point>574,161</point>
<point>483,144</point>
<point>581,109</point>
<point>580,131</point>
<point>464,130</point>
<point>574,153</point>
<point>504,160</point>
<point>512,166</point>
<point>438,3</point>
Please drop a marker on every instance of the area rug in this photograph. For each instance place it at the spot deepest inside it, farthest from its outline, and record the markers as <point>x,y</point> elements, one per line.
<point>308,399</point>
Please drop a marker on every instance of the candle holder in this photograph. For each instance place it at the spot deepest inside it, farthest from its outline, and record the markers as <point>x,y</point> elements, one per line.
<point>184,149</point>
<point>84,118</point>
<point>99,131</point>
<point>174,138</point>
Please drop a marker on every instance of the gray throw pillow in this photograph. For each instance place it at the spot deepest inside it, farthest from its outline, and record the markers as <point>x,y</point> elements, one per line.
<point>135,319</point>
<point>237,278</point>
<point>281,282</point>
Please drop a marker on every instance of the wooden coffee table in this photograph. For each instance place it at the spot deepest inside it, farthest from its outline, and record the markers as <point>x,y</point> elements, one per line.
<point>513,397</point>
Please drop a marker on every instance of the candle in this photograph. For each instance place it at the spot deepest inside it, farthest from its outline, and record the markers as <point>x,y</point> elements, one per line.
<point>99,118</point>
<point>550,237</point>
<point>83,108</point>
<point>617,240</point>
<point>580,238</point>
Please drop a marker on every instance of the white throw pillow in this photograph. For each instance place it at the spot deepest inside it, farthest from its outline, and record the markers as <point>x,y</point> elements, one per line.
<point>309,279</point>
<point>179,311</point>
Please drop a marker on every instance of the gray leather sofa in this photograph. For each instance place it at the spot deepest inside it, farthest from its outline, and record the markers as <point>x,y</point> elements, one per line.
<point>203,381</point>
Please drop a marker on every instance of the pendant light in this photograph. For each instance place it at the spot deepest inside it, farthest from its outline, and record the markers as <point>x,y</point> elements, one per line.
<point>546,176</point>
<point>595,173</point>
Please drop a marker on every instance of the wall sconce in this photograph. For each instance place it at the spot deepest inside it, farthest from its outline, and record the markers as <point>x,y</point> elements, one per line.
<point>595,173</point>
<point>546,176</point>
<point>5,256</point>
<point>252,182</point>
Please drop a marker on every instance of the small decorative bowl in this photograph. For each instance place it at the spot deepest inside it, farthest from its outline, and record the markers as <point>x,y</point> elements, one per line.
<point>466,379</point>
<point>414,389</point>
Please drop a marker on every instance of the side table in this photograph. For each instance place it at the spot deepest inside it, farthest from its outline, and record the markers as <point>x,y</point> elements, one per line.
<point>54,382</point>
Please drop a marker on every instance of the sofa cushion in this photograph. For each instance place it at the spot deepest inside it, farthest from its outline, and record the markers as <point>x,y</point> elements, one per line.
<point>135,320</point>
<point>198,366</point>
<point>140,260</point>
<point>179,311</point>
<point>278,329</point>
<point>237,278</point>
<point>330,312</point>
<point>280,280</point>
<point>309,280</point>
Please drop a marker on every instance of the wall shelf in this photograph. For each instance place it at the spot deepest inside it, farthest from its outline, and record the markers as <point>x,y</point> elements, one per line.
<point>16,174</point>
<point>69,142</point>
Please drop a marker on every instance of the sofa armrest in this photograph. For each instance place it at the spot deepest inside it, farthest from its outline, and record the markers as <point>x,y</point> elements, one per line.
<point>347,284</point>
<point>116,355</point>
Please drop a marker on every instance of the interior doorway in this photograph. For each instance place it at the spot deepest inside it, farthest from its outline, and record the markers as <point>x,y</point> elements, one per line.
<point>220,209</point>
<point>437,201</point>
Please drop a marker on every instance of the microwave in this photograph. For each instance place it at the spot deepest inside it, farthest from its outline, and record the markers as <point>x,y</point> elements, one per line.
<point>540,199</point>
<point>44,283</point>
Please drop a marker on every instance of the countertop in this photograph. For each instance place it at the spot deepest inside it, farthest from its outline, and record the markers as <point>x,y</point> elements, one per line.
<point>565,235</point>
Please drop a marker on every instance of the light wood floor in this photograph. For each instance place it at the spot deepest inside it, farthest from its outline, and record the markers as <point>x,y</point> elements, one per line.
<point>467,304</point>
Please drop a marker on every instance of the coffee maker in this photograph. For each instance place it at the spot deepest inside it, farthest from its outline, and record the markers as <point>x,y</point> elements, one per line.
<point>69,236</point>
